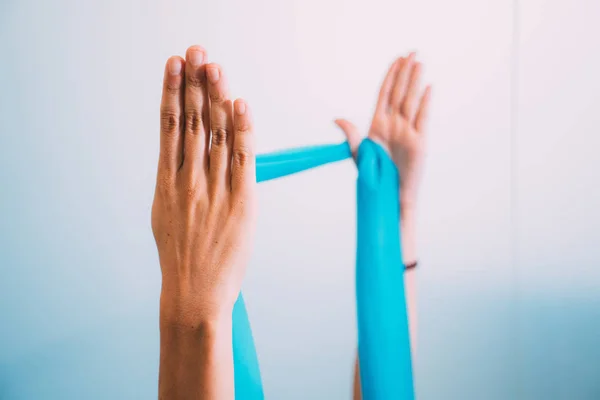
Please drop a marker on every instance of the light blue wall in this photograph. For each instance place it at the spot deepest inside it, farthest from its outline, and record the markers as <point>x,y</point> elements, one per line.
<point>509,278</point>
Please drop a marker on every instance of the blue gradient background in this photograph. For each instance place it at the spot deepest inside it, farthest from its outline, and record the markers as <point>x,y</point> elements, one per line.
<point>508,287</point>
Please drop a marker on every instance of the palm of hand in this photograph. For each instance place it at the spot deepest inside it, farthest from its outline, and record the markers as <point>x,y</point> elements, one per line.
<point>399,123</point>
<point>405,145</point>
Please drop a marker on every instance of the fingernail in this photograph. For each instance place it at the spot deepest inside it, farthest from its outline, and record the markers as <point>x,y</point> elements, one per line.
<point>213,74</point>
<point>196,57</point>
<point>174,66</point>
<point>240,107</point>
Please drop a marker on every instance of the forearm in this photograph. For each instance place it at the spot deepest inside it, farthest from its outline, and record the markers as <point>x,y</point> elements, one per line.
<point>196,360</point>
<point>409,255</point>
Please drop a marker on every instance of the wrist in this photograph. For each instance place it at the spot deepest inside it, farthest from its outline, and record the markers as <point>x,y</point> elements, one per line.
<point>195,354</point>
<point>190,336</point>
<point>192,313</point>
<point>205,330</point>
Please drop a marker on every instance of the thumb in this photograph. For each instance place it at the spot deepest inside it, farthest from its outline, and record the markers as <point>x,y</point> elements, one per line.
<point>351,132</point>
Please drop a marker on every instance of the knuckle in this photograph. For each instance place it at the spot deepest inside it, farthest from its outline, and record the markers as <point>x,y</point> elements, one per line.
<point>188,192</point>
<point>172,89</point>
<point>164,186</point>
<point>219,136</point>
<point>244,127</point>
<point>193,121</point>
<point>216,96</point>
<point>242,156</point>
<point>194,80</point>
<point>169,120</point>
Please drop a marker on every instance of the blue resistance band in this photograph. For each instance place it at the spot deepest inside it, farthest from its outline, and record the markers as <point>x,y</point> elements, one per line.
<point>383,336</point>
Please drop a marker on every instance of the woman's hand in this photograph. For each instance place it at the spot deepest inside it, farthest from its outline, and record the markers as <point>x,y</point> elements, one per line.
<point>204,205</point>
<point>203,221</point>
<point>399,124</point>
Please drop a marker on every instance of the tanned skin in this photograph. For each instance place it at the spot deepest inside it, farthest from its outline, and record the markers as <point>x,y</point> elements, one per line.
<point>203,219</point>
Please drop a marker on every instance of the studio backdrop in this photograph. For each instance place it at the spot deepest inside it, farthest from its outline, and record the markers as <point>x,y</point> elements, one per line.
<point>508,299</point>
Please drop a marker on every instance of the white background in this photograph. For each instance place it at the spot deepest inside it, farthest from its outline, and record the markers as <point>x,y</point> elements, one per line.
<point>508,282</point>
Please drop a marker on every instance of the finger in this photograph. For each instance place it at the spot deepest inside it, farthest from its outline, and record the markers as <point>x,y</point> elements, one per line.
<point>195,157</point>
<point>422,111</point>
<point>171,143</point>
<point>410,100</point>
<point>351,132</point>
<point>386,87</point>
<point>221,125</point>
<point>401,82</point>
<point>243,163</point>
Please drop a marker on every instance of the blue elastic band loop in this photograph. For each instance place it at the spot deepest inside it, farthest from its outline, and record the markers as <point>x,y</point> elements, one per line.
<point>384,346</point>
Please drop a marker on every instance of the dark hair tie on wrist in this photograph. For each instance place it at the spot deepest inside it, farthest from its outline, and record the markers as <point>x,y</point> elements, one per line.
<point>410,266</point>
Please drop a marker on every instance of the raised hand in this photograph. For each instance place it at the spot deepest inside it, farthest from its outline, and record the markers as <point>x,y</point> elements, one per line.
<point>399,124</point>
<point>203,219</point>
